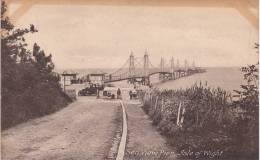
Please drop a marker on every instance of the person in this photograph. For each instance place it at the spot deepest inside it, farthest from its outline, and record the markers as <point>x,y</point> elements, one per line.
<point>118,93</point>
<point>130,94</point>
<point>97,93</point>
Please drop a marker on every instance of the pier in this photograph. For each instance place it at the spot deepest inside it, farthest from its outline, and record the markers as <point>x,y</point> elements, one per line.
<point>140,69</point>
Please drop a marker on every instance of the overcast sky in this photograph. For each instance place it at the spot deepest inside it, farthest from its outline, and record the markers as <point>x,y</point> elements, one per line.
<point>92,36</point>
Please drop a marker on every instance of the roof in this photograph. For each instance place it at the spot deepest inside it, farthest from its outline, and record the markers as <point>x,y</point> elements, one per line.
<point>68,73</point>
<point>98,72</point>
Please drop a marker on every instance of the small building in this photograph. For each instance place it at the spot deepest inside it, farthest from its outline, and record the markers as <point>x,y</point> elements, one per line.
<point>67,78</point>
<point>97,77</point>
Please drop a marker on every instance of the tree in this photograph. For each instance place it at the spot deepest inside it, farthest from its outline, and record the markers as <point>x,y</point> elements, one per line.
<point>250,91</point>
<point>29,87</point>
<point>247,132</point>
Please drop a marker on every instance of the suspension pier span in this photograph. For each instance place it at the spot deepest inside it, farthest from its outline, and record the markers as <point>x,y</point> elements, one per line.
<point>140,69</point>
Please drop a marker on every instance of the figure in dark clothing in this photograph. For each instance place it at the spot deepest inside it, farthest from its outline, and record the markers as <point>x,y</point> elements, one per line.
<point>97,93</point>
<point>130,94</point>
<point>118,93</point>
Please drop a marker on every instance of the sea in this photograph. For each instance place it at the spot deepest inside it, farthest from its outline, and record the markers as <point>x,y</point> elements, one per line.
<point>229,79</point>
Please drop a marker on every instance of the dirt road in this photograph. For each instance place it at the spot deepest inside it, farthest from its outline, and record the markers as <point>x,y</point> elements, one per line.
<point>83,130</point>
<point>144,140</point>
<point>88,129</point>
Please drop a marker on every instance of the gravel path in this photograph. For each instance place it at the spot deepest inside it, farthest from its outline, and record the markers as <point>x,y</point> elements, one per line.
<point>144,141</point>
<point>83,130</point>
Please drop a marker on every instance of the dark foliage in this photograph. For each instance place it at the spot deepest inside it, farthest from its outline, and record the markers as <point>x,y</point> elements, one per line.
<point>29,87</point>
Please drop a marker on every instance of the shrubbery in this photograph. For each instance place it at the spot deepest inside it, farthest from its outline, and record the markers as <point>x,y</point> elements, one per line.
<point>29,87</point>
<point>209,120</point>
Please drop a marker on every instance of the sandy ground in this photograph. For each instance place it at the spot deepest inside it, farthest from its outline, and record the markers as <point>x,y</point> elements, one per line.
<point>144,141</point>
<point>83,130</point>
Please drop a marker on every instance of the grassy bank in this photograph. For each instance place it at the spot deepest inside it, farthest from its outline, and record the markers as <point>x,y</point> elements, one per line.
<point>40,100</point>
<point>202,122</point>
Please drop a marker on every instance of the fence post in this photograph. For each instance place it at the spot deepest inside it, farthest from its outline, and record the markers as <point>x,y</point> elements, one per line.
<point>156,101</point>
<point>178,117</point>
<point>145,97</point>
<point>162,107</point>
<point>182,115</point>
<point>151,98</point>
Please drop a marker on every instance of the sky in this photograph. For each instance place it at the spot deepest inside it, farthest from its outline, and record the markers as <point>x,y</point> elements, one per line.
<point>102,36</point>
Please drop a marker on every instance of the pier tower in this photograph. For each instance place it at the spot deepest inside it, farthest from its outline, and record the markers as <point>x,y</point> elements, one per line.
<point>172,68</point>
<point>146,64</point>
<point>162,69</point>
<point>131,65</point>
<point>146,69</point>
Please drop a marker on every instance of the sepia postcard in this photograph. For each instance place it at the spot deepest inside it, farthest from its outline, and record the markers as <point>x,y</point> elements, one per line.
<point>129,80</point>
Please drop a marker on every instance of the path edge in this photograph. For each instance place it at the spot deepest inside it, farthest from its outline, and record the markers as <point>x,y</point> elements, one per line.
<point>122,145</point>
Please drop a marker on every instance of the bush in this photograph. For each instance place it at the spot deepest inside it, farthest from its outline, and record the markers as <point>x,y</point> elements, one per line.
<point>208,120</point>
